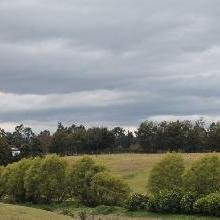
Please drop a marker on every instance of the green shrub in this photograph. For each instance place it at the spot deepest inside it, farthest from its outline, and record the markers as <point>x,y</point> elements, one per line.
<point>12,179</point>
<point>166,201</point>
<point>108,189</point>
<point>187,202</point>
<point>203,177</point>
<point>137,201</point>
<point>52,179</point>
<point>32,180</point>
<point>208,205</point>
<point>167,174</point>
<point>1,184</point>
<point>81,180</point>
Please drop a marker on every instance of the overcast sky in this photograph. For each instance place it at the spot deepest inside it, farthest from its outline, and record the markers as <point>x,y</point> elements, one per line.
<point>108,62</point>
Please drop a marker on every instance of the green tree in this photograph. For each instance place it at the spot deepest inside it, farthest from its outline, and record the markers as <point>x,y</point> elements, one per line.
<point>214,137</point>
<point>5,152</point>
<point>147,136</point>
<point>99,140</point>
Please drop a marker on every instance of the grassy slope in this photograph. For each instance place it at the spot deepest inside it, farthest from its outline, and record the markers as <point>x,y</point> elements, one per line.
<point>134,168</point>
<point>13,212</point>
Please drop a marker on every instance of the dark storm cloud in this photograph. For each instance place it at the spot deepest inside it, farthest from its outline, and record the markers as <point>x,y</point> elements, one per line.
<point>139,58</point>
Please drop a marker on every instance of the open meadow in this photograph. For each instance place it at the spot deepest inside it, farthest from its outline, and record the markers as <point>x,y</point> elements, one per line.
<point>134,168</point>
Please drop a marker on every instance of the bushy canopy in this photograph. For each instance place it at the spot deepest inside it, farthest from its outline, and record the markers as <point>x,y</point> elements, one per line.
<point>167,174</point>
<point>203,177</point>
<point>109,189</point>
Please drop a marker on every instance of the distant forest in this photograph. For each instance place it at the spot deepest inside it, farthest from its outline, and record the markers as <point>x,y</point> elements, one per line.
<point>150,137</point>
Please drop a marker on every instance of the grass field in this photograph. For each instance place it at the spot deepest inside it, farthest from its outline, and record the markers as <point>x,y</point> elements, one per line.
<point>134,168</point>
<point>14,212</point>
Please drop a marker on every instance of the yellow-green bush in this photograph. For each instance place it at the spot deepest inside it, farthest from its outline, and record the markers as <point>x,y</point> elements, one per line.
<point>52,177</point>
<point>208,205</point>
<point>1,184</point>
<point>138,201</point>
<point>32,180</point>
<point>166,201</point>
<point>108,189</point>
<point>203,177</point>
<point>167,174</point>
<point>12,180</point>
<point>187,202</point>
<point>81,177</point>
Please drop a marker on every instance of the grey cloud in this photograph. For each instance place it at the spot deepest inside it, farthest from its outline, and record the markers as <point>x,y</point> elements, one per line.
<point>163,54</point>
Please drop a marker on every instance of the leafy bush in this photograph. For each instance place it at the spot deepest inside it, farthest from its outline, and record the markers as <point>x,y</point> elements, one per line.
<point>32,180</point>
<point>167,174</point>
<point>208,205</point>
<point>12,180</point>
<point>1,184</point>
<point>187,202</point>
<point>137,201</point>
<point>52,178</point>
<point>203,177</point>
<point>166,201</point>
<point>108,189</point>
<point>81,177</point>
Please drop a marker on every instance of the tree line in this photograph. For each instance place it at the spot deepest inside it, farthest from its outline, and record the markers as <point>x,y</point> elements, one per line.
<point>150,137</point>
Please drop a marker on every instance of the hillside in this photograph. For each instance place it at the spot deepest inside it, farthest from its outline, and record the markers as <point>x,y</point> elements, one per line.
<point>134,168</point>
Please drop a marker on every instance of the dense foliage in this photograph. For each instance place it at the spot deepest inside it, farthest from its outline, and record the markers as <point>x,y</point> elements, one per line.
<point>81,177</point>
<point>187,202</point>
<point>172,188</point>
<point>166,201</point>
<point>195,190</point>
<point>203,177</point>
<point>109,189</point>
<point>137,201</point>
<point>208,205</point>
<point>184,136</point>
<point>48,179</point>
<point>167,174</point>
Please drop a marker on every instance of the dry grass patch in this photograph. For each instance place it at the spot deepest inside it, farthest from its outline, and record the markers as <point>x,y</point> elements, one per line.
<point>134,168</point>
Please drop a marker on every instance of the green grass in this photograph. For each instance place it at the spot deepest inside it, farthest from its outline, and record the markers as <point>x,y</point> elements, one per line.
<point>134,168</point>
<point>14,212</point>
<point>116,213</point>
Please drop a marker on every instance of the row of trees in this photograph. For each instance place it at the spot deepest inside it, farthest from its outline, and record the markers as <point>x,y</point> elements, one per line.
<point>150,137</point>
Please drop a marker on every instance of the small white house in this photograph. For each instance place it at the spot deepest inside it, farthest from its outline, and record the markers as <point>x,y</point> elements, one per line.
<point>15,151</point>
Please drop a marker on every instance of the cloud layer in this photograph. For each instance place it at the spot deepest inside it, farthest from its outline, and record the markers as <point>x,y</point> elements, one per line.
<point>112,62</point>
